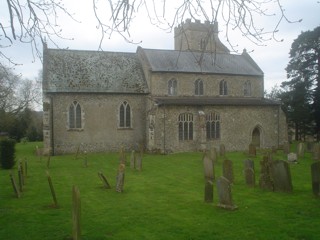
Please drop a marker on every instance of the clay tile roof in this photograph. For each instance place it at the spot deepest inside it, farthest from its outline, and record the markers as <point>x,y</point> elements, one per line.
<point>92,71</point>
<point>199,62</point>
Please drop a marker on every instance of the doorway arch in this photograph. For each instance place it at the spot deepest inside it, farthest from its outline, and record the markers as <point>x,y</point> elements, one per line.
<point>256,136</point>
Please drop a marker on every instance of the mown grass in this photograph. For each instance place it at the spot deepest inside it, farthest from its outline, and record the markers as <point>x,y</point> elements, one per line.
<point>163,201</point>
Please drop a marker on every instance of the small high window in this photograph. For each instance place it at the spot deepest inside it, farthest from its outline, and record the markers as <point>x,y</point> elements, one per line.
<point>223,87</point>
<point>247,88</point>
<point>75,116</point>
<point>125,115</point>
<point>198,87</point>
<point>213,126</point>
<point>185,126</point>
<point>172,87</point>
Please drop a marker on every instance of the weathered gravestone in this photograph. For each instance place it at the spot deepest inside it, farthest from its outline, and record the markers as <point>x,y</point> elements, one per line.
<point>248,163</point>
<point>309,146</point>
<point>300,150</point>
<point>265,181</point>
<point>213,154</point>
<point>222,150</point>
<point>224,194</point>
<point>122,156</point>
<point>315,175</point>
<point>139,162</point>
<point>14,185</point>
<point>208,168</point>
<point>227,170</point>
<point>120,178</point>
<point>281,176</point>
<point>208,191</point>
<point>250,177</point>
<point>132,159</point>
<point>316,152</point>
<point>76,213</point>
<point>53,193</point>
<point>104,180</point>
<point>292,158</point>
<point>252,150</point>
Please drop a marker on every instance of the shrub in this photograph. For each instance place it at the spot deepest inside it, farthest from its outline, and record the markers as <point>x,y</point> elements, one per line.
<point>7,153</point>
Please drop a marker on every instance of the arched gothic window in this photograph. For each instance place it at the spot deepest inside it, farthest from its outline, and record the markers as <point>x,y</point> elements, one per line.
<point>198,87</point>
<point>172,87</point>
<point>247,88</point>
<point>223,87</point>
<point>185,126</point>
<point>75,116</point>
<point>125,115</point>
<point>213,126</point>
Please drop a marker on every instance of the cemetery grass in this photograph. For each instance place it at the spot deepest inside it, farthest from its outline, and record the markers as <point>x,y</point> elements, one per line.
<point>163,201</point>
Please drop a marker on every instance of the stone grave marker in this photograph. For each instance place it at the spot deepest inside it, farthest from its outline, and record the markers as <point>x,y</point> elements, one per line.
<point>132,159</point>
<point>104,180</point>
<point>76,213</point>
<point>213,154</point>
<point>208,192</point>
<point>248,163</point>
<point>208,168</point>
<point>20,177</point>
<point>281,176</point>
<point>122,156</point>
<point>222,150</point>
<point>250,177</point>
<point>224,194</point>
<point>315,176</point>
<point>227,170</point>
<point>265,180</point>
<point>309,146</point>
<point>139,162</point>
<point>316,152</point>
<point>53,193</point>
<point>300,150</point>
<point>120,178</point>
<point>292,158</point>
<point>252,150</point>
<point>14,185</point>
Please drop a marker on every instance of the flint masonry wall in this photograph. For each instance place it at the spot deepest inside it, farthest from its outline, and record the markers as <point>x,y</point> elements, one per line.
<point>100,121</point>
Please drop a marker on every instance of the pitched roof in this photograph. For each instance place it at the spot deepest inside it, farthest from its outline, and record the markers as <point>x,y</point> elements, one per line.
<point>92,71</point>
<point>221,101</point>
<point>201,62</point>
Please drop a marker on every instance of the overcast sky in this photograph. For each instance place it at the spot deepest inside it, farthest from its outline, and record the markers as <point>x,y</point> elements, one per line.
<point>272,58</point>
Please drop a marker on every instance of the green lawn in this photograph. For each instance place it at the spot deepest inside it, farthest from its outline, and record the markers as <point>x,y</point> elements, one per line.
<point>163,201</point>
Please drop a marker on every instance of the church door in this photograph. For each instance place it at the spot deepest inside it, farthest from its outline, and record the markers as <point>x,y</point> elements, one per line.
<point>256,137</point>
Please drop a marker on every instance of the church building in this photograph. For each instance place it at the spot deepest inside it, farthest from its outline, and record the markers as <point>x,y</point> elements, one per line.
<point>187,99</point>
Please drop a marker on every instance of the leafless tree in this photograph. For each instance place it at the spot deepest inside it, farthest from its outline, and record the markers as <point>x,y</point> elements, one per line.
<point>36,21</point>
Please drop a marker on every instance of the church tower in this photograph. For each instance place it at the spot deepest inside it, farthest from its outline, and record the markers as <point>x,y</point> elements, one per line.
<point>197,36</point>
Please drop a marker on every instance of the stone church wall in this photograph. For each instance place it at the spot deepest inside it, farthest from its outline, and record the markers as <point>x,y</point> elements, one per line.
<point>100,119</point>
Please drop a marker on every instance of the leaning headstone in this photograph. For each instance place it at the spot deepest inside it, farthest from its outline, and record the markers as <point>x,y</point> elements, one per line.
<point>227,170</point>
<point>300,150</point>
<point>224,194</point>
<point>248,163</point>
<point>281,176</point>
<point>14,185</point>
<point>208,192</point>
<point>292,158</point>
<point>76,213</point>
<point>139,162</point>
<point>120,178</point>
<point>208,168</point>
<point>53,193</point>
<point>265,181</point>
<point>133,160</point>
<point>316,152</point>
<point>250,177</point>
<point>104,180</point>
<point>315,175</point>
<point>222,150</point>
<point>252,150</point>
